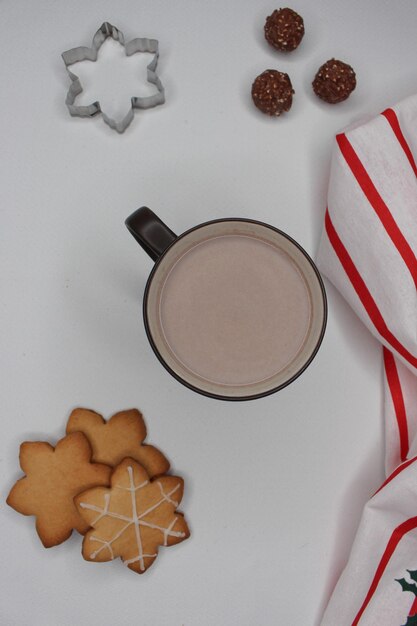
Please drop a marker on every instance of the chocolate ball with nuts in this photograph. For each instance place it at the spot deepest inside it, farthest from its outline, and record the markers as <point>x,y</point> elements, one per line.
<point>334,81</point>
<point>284,29</point>
<point>272,92</point>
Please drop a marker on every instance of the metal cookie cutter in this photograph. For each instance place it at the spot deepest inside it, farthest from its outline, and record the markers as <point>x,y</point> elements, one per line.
<point>83,53</point>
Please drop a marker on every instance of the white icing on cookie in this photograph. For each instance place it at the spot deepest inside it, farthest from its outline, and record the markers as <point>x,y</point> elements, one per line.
<point>134,519</point>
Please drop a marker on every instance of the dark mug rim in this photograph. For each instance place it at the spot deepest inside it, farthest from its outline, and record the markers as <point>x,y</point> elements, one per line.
<point>215,395</point>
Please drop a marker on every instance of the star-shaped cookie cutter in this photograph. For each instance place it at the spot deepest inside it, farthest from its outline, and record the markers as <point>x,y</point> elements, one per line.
<point>83,53</point>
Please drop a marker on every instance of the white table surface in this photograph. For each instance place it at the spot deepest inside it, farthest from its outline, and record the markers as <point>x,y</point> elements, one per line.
<point>275,487</point>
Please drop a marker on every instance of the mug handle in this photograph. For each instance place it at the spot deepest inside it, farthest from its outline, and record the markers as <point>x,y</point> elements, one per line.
<point>150,232</point>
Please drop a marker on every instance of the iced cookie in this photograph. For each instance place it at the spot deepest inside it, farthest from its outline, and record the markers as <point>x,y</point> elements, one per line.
<point>133,517</point>
<point>53,477</point>
<point>121,436</point>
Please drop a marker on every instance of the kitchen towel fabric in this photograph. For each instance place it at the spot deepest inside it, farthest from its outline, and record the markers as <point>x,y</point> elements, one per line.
<point>369,252</point>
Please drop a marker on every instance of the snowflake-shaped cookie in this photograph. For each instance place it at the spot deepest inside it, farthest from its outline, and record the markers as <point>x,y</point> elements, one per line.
<point>54,476</point>
<point>83,53</point>
<point>121,436</point>
<point>133,517</point>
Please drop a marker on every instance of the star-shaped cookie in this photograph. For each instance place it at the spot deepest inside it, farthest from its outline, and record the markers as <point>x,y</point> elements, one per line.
<point>121,436</point>
<point>54,476</point>
<point>133,517</point>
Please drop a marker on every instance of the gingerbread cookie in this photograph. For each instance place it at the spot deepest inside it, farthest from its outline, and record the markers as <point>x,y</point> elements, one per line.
<point>53,477</point>
<point>121,436</point>
<point>133,517</point>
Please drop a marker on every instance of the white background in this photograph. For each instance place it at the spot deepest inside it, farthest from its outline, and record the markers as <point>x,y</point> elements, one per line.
<point>274,487</point>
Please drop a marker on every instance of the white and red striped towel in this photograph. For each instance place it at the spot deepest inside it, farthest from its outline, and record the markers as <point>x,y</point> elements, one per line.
<point>369,252</point>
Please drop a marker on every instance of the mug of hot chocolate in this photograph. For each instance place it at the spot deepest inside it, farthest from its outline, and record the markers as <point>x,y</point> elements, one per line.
<point>234,308</point>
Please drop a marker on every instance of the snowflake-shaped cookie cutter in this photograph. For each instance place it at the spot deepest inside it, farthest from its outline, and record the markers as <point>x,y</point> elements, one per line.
<point>83,53</point>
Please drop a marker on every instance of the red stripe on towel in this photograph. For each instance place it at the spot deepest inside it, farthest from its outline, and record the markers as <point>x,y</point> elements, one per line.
<point>395,473</point>
<point>363,292</point>
<point>392,119</point>
<point>413,610</point>
<point>379,206</point>
<point>393,542</point>
<point>398,401</point>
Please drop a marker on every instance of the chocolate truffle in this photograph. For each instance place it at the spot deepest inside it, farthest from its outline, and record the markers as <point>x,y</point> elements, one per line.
<point>334,81</point>
<point>284,29</point>
<point>272,92</point>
